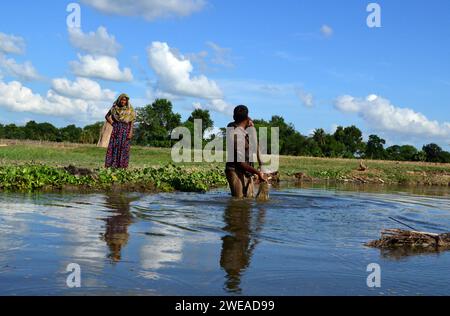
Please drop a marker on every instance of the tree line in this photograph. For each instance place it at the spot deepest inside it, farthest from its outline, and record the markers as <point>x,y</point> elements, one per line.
<point>156,121</point>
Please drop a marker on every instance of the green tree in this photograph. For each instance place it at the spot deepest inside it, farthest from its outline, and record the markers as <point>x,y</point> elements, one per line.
<point>155,123</point>
<point>353,141</point>
<point>320,137</point>
<point>312,148</point>
<point>394,153</point>
<point>408,152</point>
<point>12,131</point>
<point>295,145</point>
<point>91,133</point>
<point>41,131</point>
<point>375,148</point>
<point>351,138</point>
<point>420,156</point>
<point>333,148</point>
<point>71,134</point>
<point>2,131</point>
<point>445,157</point>
<point>433,152</point>
<point>286,131</point>
<point>204,116</point>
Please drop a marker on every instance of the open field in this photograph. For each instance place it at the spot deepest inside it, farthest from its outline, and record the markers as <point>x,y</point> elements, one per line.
<point>304,168</point>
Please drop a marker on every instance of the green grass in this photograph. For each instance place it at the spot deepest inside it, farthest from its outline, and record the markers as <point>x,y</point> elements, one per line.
<point>141,157</point>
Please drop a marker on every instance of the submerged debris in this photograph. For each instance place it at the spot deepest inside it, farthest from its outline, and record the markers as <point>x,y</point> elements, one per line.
<point>398,238</point>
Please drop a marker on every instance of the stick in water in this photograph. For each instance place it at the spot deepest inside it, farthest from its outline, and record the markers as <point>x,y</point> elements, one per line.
<point>402,223</point>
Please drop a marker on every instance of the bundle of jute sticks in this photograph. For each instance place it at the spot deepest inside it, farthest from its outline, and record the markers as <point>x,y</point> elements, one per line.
<point>264,187</point>
<point>395,238</point>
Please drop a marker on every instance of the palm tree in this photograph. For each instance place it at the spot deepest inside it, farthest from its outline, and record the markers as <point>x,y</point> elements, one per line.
<point>319,135</point>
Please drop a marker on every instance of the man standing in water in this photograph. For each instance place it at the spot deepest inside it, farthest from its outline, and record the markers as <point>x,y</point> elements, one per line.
<point>239,169</point>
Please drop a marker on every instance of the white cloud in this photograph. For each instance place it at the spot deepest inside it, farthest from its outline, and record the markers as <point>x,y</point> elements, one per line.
<point>216,105</point>
<point>199,59</point>
<point>25,71</point>
<point>18,98</point>
<point>149,9</point>
<point>96,43</point>
<point>306,98</point>
<point>11,44</point>
<point>63,106</point>
<point>174,74</point>
<point>222,56</point>
<point>347,103</point>
<point>82,88</point>
<point>326,30</point>
<point>101,67</point>
<point>382,115</point>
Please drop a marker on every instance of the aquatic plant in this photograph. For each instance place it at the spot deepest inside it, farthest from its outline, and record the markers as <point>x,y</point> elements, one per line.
<point>168,178</point>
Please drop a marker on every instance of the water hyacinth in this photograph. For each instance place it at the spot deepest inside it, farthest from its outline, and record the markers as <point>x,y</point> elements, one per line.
<point>31,178</point>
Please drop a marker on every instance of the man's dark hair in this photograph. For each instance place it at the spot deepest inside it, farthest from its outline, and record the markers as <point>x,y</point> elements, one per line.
<point>240,114</point>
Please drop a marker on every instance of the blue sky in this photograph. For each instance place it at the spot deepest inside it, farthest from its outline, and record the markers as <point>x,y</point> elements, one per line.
<point>316,63</point>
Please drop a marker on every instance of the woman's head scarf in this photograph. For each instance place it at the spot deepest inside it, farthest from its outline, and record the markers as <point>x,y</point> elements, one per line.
<point>125,114</point>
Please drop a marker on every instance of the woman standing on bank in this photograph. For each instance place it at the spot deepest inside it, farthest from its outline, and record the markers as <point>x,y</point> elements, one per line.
<point>121,117</point>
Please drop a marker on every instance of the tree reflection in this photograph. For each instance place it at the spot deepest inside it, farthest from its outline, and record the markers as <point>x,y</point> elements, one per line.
<point>237,248</point>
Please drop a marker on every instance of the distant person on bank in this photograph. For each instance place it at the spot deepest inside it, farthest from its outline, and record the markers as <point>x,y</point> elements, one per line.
<point>239,169</point>
<point>121,117</point>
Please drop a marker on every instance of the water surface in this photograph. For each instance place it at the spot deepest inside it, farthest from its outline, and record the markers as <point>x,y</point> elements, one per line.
<point>304,241</point>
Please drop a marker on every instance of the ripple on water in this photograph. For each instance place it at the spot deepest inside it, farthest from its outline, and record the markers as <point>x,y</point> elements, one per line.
<point>302,241</point>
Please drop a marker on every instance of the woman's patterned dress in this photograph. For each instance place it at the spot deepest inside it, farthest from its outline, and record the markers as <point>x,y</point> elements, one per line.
<point>118,153</point>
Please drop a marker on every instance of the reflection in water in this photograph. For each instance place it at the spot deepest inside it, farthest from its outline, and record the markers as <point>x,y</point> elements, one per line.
<point>400,253</point>
<point>172,243</point>
<point>420,190</point>
<point>238,245</point>
<point>116,235</point>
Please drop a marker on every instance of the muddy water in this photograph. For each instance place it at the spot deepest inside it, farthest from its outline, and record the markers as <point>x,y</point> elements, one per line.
<point>304,241</point>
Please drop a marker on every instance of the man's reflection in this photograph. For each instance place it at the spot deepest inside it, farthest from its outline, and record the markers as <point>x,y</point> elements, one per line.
<point>237,247</point>
<point>116,234</point>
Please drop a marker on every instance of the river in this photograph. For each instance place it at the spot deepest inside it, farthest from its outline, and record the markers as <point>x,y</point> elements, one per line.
<point>304,241</point>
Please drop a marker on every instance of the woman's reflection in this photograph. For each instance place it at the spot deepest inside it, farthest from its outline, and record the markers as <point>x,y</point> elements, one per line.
<point>238,245</point>
<point>116,235</point>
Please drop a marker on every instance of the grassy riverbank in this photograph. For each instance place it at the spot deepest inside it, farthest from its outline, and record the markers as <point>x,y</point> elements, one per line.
<point>149,169</point>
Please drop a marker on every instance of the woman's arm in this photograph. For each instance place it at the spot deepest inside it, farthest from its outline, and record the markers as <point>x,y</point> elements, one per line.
<point>131,133</point>
<point>108,118</point>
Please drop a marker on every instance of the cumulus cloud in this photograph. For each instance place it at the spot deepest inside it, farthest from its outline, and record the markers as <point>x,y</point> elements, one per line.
<point>18,98</point>
<point>100,67</point>
<point>25,71</point>
<point>10,44</point>
<point>96,43</point>
<point>306,98</point>
<point>381,114</point>
<point>148,9</point>
<point>175,74</point>
<point>217,105</point>
<point>326,30</point>
<point>82,88</point>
